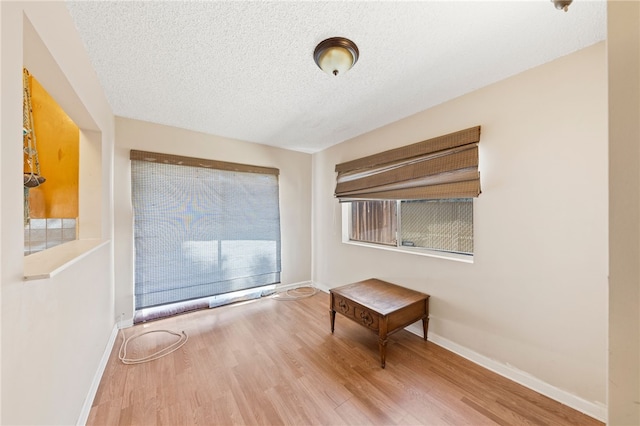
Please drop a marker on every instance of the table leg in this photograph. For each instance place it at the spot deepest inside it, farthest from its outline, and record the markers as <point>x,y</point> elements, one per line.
<point>333,319</point>
<point>425,326</point>
<point>383,351</point>
<point>383,324</point>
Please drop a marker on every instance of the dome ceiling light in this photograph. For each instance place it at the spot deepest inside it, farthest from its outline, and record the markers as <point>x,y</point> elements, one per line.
<point>562,4</point>
<point>336,55</point>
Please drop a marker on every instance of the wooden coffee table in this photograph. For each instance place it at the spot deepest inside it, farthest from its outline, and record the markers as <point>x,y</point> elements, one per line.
<point>382,307</point>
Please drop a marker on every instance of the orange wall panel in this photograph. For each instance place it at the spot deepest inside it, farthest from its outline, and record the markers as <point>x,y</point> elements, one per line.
<point>57,141</point>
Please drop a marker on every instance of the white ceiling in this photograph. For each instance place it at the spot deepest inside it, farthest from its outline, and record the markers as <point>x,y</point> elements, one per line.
<point>245,70</point>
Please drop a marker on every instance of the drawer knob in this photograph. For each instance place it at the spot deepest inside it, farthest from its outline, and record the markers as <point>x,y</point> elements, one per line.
<point>366,318</point>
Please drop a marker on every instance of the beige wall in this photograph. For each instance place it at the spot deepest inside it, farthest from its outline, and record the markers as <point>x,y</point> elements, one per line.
<point>535,298</point>
<point>294,181</point>
<point>623,46</point>
<point>54,331</point>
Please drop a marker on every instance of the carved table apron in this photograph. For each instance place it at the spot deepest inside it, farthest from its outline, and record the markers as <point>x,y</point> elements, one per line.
<point>382,307</point>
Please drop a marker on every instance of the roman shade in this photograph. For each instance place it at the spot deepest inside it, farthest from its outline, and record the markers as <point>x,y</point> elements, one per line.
<point>437,168</point>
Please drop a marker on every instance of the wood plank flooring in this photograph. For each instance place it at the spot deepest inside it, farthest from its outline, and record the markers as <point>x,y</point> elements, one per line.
<point>273,362</point>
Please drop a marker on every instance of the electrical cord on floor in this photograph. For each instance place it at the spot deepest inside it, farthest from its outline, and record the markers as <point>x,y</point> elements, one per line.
<point>296,293</point>
<point>122,354</point>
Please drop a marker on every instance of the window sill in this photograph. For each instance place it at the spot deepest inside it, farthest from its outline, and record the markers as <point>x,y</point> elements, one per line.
<point>48,263</point>
<point>465,258</point>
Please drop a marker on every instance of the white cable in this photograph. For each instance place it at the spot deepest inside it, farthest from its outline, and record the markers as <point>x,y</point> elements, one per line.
<point>296,293</point>
<point>122,354</point>
<point>289,294</point>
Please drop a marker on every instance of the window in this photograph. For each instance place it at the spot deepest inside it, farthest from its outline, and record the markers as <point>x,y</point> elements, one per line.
<point>416,198</point>
<point>202,231</point>
<point>444,225</point>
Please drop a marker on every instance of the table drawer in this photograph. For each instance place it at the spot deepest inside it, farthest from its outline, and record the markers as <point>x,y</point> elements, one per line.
<point>356,312</point>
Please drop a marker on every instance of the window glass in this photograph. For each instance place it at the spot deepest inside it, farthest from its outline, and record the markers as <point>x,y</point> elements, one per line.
<point>202,232</point>
<point>374,222</point>
<point>443,225</point>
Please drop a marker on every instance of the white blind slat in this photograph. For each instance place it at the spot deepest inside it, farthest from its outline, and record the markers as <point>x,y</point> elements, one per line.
<point>202,232</point>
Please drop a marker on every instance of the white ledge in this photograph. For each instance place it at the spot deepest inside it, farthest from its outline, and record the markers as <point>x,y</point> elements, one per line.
<point>465,258</point>
<point>49,262</point>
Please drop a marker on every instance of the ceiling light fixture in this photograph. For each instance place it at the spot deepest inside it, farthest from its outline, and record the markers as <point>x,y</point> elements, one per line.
<point>336,55</point>
<point>562,4</point>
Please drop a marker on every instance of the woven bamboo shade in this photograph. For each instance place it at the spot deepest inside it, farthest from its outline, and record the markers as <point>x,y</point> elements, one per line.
<point>155,157</point>
<point>442,167</point>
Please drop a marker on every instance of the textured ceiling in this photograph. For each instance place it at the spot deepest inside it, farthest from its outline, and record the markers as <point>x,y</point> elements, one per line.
<point>245,70</point>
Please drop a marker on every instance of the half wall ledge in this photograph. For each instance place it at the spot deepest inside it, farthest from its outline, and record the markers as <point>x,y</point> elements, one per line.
<point>47,263</point>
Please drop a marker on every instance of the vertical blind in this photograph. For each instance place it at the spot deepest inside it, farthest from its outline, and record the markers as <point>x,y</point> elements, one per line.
<point>202,227</point>
<point>442,167</point>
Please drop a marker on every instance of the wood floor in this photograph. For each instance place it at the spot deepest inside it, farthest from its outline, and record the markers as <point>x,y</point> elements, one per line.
<point>275,362</point>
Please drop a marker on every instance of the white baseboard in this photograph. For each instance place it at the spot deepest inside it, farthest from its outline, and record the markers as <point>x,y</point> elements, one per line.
<point>592,409</point>
<point>281,287</point>
<point>321,287</point>
<point>125,323</point>
<point>88,402</point>
<point>595,410</point>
